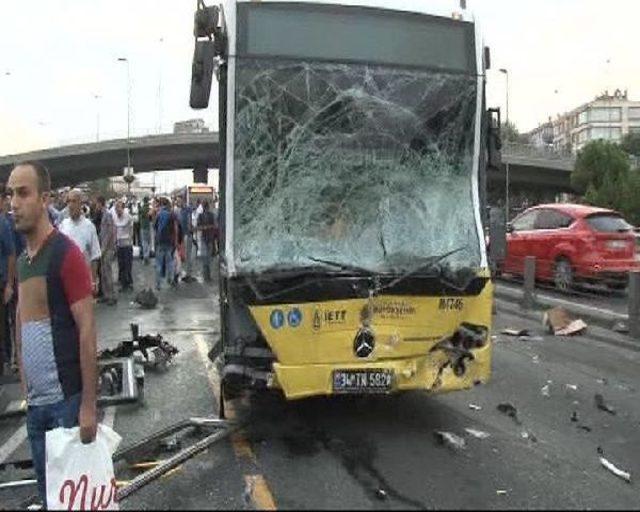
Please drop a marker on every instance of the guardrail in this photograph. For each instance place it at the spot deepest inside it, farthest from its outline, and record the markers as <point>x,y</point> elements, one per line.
<point>533,151</point>
<point>103,138</point>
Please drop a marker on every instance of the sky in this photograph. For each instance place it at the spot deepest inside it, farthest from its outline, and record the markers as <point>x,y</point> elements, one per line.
<point>57,55</point>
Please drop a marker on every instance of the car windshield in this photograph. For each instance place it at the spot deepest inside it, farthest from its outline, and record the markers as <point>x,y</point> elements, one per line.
<point>357,164</point>
<point>608,223</point>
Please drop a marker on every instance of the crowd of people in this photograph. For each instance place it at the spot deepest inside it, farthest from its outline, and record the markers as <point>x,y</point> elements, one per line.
<point>164,230</point>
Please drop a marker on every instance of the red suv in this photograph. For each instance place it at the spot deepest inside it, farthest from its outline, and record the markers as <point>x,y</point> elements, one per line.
<point>573,243</point>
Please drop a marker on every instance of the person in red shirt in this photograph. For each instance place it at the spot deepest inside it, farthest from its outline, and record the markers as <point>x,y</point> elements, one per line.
<point>55,327</point>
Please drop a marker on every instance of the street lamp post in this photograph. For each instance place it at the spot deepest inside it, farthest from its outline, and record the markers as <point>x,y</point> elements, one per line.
<point>97,98</point>
<point>506,194</point>
<point>160,89</point>
<point>124,59</point>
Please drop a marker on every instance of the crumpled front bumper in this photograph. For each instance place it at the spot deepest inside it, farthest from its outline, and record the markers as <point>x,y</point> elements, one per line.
<point>432,372</point>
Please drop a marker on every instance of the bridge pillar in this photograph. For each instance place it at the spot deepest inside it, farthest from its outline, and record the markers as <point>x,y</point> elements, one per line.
<point>201,174</point>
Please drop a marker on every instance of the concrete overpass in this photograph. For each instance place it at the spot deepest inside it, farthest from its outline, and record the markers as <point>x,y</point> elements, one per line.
<point>70,165</point>
<point>530,167</point>
<point>535,167</point>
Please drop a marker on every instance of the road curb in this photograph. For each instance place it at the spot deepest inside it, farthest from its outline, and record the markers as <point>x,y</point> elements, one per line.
<point>609,337</point>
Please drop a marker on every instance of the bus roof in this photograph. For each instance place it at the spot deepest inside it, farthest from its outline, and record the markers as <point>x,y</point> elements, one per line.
<point>443,8</point>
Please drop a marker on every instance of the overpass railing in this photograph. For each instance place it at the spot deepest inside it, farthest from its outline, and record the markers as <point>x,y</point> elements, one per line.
<point>533,151</point>
<point>103,138</point>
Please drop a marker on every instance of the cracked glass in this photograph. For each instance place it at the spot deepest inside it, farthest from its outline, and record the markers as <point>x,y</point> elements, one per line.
<point>366,165</point>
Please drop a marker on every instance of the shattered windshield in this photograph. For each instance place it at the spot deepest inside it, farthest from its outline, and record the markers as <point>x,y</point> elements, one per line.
<point>358,164</point>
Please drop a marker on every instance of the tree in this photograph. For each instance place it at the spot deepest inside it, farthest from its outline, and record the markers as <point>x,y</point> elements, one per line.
<point>631,198</point>
<point>597,160</point>
<point>510,133</point>
<point>602,173</point>
<point>101,187</point>
<point>631,144</point>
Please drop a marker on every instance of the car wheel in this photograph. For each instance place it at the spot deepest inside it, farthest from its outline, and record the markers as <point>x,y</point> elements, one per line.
<point>563,275</point>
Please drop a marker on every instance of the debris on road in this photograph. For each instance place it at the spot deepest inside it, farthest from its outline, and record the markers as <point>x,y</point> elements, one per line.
<point>478,434</point>
<point>146,298</point>
<point>545,390</point>
<point>248,491</point>
<point>157,353</point>
<point>381,494</point>
<point>475,407</point>
<point>530,338</point>
<point>521,335</point>
<point>621,328</point>
<point>626,476</point>
<point>515,332</point>
<point>171,444</point>
<point>559,323</point>
<point>602,405</point>
<point>453,441</point>
<point>510,411</point>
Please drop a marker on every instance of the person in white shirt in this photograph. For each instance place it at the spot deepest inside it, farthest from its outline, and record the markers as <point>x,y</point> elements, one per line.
<point>124,236</point>
<point>83,232</point>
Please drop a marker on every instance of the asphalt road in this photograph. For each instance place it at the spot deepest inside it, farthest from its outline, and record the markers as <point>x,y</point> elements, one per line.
<point>381,452</point>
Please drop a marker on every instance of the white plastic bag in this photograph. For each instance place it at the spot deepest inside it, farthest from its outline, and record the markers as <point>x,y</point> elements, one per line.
<point>80,476</point>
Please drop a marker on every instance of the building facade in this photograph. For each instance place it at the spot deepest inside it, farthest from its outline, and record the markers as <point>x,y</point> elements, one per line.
<point>543,135</point>
<point>608,117</point>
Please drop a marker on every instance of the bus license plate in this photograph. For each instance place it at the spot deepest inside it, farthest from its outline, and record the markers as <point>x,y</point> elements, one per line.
<point>362,381</point>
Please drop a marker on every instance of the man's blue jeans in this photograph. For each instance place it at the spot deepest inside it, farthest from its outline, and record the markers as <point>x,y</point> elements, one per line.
<point>164,258</point>
<point>145,243</point>
<point>205,255</point>
<point>48,417</point>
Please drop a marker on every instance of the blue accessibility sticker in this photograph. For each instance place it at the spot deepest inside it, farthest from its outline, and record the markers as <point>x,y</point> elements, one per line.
<point>294,317</point>
<point>277,319</point>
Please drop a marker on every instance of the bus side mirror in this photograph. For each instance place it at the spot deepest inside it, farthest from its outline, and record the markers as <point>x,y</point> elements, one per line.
<point>487,58</point>
<point>205,25</point>
<point>202,74</point>
<point>497,238</point>
<point>494,144</point>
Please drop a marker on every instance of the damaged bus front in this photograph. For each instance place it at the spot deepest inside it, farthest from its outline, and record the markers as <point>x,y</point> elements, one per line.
<point>354,147</point>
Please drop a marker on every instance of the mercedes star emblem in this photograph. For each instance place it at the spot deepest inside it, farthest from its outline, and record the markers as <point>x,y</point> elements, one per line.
<point>364,343</point>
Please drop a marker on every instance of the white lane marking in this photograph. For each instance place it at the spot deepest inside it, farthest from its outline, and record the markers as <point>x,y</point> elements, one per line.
<point>12,444</point>
<point>212,374</point>
<point>109,416</point>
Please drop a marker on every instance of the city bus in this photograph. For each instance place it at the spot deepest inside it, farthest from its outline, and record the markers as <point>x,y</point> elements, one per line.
<point>354,148</point>
<point>191,194</point>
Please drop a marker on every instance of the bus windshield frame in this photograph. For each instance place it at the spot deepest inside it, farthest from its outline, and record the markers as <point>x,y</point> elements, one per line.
<point>400,122</point>
<point>338,33</point>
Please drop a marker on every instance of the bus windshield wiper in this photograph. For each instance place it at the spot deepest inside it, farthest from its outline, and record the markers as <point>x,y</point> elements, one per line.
<point>345,267</point>
<point>314,273</point>
<point>430,264</point>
